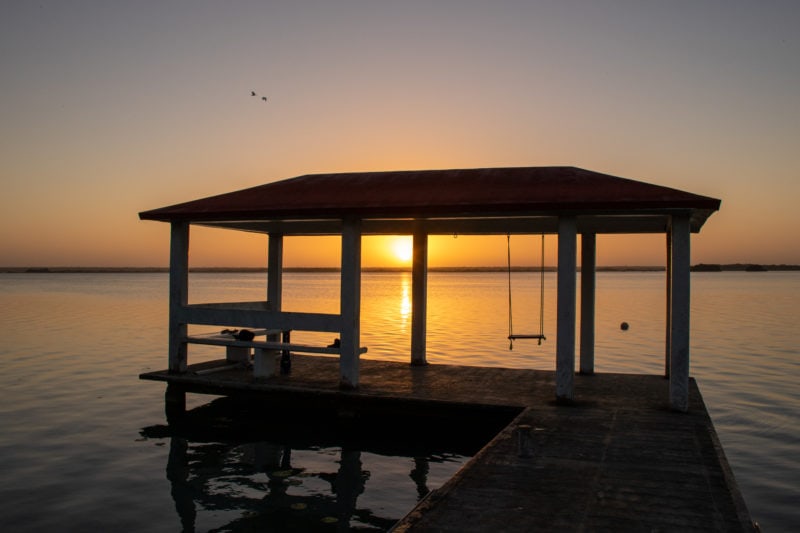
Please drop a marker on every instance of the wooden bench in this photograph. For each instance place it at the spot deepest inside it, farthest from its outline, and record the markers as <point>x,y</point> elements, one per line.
<point>238,351</point>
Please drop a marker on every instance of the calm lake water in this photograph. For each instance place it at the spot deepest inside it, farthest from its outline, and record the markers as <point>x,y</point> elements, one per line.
<point>84,444</point>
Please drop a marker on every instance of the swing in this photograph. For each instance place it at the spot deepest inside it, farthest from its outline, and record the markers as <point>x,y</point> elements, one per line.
<point>514,336</point>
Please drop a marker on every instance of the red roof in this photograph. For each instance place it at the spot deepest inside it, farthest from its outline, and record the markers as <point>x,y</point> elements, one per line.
<point>485,192</point>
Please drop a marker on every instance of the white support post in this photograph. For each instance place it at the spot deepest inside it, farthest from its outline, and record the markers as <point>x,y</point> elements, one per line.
<point>588,267</point>
<point>419,298</point>
<point>264,360</point>
<point>565,341</point>
<point>275,271</point>
<point>668,341</point>
<point>178,295</point>
<point>350,302</point>
<point>679,313</point>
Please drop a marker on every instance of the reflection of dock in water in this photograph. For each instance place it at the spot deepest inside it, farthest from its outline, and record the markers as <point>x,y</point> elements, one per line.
<point>267,505</point>
<point>305,475</point>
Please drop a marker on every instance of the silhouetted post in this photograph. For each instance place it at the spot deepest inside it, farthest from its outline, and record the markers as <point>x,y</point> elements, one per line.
<point>588,264</point>
<point>263,359</point>
<point>350,302</point>
<point>174,402</point>
<point>679,317</point>
<point>419,297</point>
<point>178,295</point>
<point>565,342</point>
<point>275,272</point>
<point>668,343</point>
<point>275,299</point>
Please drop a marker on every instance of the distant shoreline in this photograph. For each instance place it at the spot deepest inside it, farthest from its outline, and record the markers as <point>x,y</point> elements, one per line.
<point>702,267</point>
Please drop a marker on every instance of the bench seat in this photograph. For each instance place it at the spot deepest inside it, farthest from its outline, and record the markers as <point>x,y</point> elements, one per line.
<point>226,340</point>
<point>239,351</point>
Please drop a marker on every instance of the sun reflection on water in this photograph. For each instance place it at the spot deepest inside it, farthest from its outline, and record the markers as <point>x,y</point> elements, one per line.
<point>405,302</point>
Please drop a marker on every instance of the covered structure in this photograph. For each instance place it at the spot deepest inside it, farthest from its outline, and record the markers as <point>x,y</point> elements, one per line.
<point>566,201</point>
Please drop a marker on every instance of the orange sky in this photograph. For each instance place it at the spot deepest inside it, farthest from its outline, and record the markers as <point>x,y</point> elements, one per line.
<point>109,109</point>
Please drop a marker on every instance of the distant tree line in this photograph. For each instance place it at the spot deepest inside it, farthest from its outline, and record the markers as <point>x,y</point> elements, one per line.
<point>700,267</point>
<point>741,267</point>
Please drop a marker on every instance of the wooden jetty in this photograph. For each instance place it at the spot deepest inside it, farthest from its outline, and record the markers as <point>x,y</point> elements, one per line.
<point>562,201</point>
<point>615,458</point>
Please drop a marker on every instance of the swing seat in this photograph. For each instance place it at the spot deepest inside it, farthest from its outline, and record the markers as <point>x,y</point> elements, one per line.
<point>536,336</point>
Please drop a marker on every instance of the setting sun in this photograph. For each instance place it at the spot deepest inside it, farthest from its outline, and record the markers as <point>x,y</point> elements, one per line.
<point>402,248</point>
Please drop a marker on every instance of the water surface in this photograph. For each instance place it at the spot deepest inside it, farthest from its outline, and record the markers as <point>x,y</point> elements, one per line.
<point>84,443</point>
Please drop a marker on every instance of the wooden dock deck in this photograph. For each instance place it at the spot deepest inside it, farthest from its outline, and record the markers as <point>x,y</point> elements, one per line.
<point>616,459</point>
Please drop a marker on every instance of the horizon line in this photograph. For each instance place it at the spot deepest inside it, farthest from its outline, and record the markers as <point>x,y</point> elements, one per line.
<point>604,268</point>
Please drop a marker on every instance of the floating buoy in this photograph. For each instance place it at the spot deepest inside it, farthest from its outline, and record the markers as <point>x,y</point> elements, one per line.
<point>624,326</point>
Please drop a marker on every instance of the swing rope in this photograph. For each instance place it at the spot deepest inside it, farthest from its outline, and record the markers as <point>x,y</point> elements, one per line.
<point>511,336</point>
<point>541,294</point>
<point>510,308</point>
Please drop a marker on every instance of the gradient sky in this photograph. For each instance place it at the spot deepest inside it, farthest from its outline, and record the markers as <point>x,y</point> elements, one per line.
<point>111,108</point>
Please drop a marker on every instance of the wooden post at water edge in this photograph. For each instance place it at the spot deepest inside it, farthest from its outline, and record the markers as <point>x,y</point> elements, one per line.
<point>419,297</point>
<point>264,360</point>
<point>275,272</point>
<point>350,302</point>
<point>679,315</point>
<point>588,264</point>
<point>565,339</point>
<point>178,294</point>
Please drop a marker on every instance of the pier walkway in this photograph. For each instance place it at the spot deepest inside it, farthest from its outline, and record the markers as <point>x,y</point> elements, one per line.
<point>616,459</point>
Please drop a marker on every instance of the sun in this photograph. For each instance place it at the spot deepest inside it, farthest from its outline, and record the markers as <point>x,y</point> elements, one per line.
<point>402,248</point>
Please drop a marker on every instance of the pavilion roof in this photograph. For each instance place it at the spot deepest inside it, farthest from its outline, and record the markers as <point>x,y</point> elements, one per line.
<point>495,193</point>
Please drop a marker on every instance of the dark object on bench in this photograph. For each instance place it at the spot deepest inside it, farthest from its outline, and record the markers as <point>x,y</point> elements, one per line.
<point>244,335</point>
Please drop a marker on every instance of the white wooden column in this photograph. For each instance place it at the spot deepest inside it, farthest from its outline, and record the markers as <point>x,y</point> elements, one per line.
<point>275,271</point>
<point>679,315</point>
<point>178,294</point>
<point>350,301</point>
<point>668,343</point>
<point>588,267</point>
<point>565,341</point>
<point>264,360</point>
<point>419,298</point>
